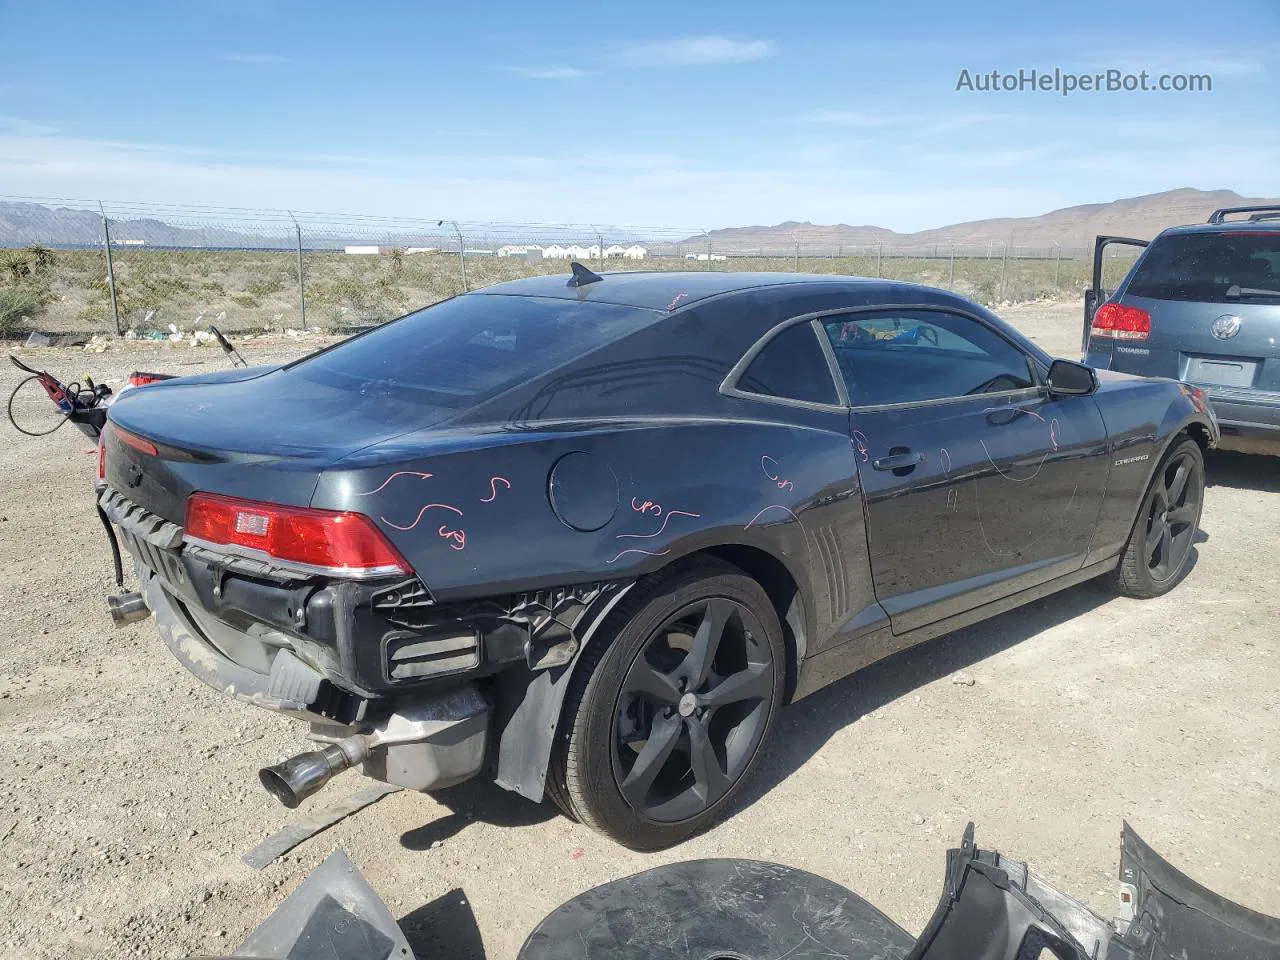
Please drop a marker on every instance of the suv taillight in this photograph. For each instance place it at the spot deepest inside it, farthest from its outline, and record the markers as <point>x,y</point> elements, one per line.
<point>102,453</point>
<point>340,544</point>
<point>1120,322</point>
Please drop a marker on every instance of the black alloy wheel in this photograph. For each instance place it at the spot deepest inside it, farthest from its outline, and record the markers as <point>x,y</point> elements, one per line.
<point>1173,514</point>
<point>670,705</point>
<point>692,710</point>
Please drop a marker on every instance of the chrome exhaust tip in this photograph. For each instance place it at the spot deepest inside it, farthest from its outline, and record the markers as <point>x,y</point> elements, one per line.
<point>127,608</point>
<point>299,777</point>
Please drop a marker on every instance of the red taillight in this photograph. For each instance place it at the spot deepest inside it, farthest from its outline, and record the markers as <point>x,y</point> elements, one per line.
<point>138,443</point>
<point>102,453</point>
<point>137,379</point>
<point>344,544</point>
<point>1120,322</point>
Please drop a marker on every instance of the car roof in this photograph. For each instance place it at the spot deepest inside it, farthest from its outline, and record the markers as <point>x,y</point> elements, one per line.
<point>1229,226</point>
<point>667,289</point>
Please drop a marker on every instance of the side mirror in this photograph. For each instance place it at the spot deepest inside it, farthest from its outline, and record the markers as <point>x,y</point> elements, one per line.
<point>1070,379</point>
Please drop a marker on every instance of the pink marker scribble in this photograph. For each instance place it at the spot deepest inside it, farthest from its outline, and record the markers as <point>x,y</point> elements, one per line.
<point>678,297</point>
<point>647,507</point>
<point>862,443</point>
<point>457,538</point>
<point>493,488</point>
<point>1053,432</point>
<point>647,553</point>
<point>782,484</point>
<point>1029,413</point>
<point>398,473</point>
<point>772,506</point>
<point>665,521</point>
<point>418,518</point>
<point>944,458</point>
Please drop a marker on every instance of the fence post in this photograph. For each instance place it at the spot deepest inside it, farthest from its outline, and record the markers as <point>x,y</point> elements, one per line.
<point>600,247</point>
<point>462,256</point>
<point>1004,269</point>
<point>111,273</point>
<point>795,266</point>
<point>879,250</point>
<point>1057,264</point>
<point>302,290</point>
<point>951,282</point>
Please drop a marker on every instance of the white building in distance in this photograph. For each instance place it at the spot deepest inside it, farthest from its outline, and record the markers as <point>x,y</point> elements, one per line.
<point>519,250</point>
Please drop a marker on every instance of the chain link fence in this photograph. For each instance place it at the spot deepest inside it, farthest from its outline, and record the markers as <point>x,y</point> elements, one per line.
<point>89,267</point>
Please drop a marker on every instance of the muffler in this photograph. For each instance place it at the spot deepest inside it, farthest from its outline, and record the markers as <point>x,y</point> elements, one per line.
<point>299,777</point>
<point>127,608</point>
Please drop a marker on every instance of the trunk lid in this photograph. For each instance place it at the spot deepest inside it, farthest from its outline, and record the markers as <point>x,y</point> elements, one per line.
<point>261,434</point>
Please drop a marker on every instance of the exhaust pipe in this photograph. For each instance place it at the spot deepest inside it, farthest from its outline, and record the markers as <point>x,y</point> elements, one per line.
<point>128,608</point>
<point>299,777</point>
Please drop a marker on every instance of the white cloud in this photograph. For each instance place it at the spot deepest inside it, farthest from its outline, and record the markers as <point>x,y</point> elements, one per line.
<point>852,118</point>
<point>21,127</point>
<point>550,73</point>
<point>696,51</point>
<point>255,58</point>
<point>887,184</point>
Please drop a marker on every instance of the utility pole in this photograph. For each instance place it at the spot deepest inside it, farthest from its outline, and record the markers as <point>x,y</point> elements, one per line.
<point>302,292</point>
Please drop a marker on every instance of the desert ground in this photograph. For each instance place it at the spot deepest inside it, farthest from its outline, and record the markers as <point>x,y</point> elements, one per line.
<point>128,791</point>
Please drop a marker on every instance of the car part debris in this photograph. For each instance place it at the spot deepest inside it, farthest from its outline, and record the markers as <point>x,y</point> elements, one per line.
<point>333,915</point>
<point>282,841</point>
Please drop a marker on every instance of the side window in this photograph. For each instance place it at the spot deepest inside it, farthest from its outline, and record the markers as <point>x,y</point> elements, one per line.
<point>792,366</point>
<point>914,356</point>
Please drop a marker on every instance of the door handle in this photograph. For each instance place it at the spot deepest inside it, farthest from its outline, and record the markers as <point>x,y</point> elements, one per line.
<point>902,459</point>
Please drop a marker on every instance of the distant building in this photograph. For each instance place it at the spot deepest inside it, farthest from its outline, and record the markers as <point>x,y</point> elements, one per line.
<point>554,252</point>
<point>421,250</point>
<point>705,256</point>
<point>576,251</point>
<point>615,251</point>
<point>635,252</point>
<point>362,251</point>
<point>518,249</point>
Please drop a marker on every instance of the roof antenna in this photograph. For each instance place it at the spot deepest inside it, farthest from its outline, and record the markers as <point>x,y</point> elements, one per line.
<point>582,276</point>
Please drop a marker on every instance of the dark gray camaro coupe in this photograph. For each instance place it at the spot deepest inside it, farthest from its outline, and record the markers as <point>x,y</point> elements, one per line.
<point>595,534</point>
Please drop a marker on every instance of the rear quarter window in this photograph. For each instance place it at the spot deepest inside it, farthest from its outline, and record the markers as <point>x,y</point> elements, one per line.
<point>1203,267</point>
<point>462,351</point>
<point>791,366</point>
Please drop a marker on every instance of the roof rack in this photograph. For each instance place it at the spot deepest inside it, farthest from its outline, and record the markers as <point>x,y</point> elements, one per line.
<point>1219,216</point>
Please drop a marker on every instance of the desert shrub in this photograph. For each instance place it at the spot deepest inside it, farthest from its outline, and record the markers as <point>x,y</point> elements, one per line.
<point>17,305</point>
<point>244,300</point>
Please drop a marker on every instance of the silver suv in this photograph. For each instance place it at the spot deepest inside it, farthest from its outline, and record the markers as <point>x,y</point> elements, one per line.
<point>1201,304</point>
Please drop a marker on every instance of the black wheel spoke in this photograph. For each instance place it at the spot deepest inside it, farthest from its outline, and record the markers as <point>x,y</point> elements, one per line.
<point>1179,482</point>
<point>706,641</point>
<point>710,781</point>
<point>1154,537</point>
<point>753,683</point>
<point>647,682</point>
<point>1181,516</point>
<point>651,759</point>
<point>1166,546</point>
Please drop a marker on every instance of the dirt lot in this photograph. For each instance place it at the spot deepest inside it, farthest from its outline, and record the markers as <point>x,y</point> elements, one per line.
<point>128,791</point>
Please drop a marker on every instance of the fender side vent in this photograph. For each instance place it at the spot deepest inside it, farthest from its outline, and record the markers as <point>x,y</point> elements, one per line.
<point>833,567</point>
<point>413,656</point>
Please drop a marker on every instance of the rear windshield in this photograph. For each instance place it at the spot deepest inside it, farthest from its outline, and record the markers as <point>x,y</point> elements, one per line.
<point>461,351</point>
<point>1227,267</point>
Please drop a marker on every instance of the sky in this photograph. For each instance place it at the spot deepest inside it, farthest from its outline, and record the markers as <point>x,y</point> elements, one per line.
<point>689,114</point>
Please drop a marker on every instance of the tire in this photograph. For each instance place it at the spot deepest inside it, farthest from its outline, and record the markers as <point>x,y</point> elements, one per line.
<point>688,672</point>
<point>1158,554</point>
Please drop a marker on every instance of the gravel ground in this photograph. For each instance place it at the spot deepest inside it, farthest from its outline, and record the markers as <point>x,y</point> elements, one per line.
<point>128,791</point>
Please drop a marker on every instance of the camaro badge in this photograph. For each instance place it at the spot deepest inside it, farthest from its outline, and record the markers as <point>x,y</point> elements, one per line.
<point>1121,463</point>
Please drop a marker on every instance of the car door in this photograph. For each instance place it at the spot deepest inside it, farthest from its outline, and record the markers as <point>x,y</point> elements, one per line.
<point>977,482</point>
<point>1111,264</point>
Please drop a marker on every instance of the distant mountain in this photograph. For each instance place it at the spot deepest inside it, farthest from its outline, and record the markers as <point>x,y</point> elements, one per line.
<point>1141,217</point>
<point>24,223</point>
